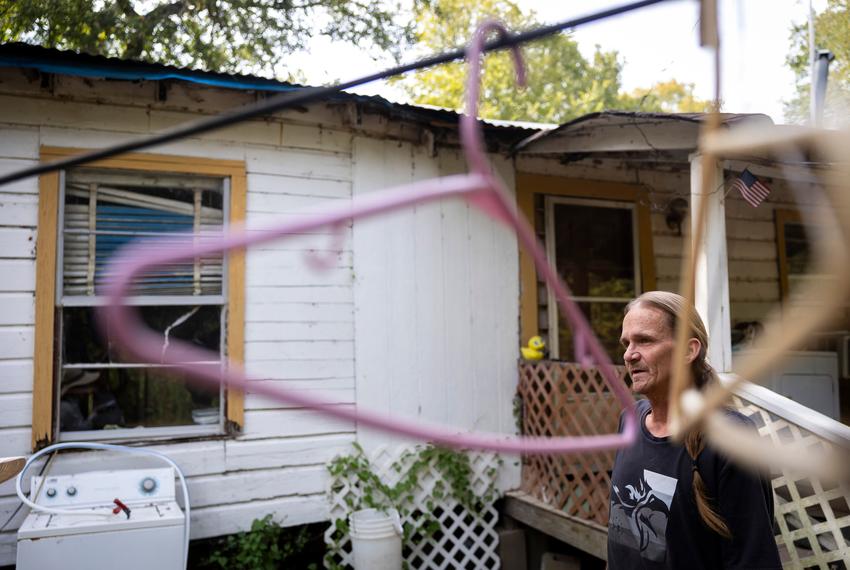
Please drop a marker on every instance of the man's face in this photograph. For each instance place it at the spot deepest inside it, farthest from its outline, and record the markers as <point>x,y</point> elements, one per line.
<point>648,342</point>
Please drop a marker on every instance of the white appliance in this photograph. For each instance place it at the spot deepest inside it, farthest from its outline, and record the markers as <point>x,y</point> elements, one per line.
<point>95,538</point>
<point>808,378</point>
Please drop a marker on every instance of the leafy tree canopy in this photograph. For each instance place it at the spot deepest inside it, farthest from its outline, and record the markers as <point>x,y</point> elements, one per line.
<point>216,35</point>
<point>562,83</point>
<point>665,97</point>
<point>255,35</point>
<point>832,32</point>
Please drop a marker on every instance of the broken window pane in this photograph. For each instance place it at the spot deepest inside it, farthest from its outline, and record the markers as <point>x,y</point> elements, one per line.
<point>83,342</point>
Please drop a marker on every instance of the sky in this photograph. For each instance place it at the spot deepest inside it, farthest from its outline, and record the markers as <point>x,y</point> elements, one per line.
<point>658,43</point>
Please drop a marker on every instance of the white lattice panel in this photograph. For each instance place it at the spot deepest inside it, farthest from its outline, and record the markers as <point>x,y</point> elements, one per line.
<point>464,539</point>
<point>813,517</point>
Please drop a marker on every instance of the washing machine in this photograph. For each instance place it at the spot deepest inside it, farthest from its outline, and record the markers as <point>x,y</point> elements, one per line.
<point>127,519</point>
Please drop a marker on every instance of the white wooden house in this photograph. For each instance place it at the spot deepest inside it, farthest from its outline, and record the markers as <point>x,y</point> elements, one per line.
<point>421,315</point>
<point>418,316</point>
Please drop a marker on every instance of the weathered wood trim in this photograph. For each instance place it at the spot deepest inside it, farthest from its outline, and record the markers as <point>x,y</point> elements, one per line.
<point>587,536</point>
<point>155,162</point>
<point>235,409</point>
<point>782,217</point>
<point>44,357</point>
<point>645,247</point>
<point>529,185</point>
<point>45,310</point>
<point>528,324</point>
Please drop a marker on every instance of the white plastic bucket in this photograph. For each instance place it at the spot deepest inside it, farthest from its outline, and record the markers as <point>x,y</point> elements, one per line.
<point>376,539</point>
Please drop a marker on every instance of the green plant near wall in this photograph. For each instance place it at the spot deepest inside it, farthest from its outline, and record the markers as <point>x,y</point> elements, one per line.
<point>457,473</point>
<point>267,546</point>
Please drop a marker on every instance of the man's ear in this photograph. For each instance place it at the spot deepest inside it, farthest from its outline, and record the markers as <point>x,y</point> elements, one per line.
<point>694,346</point>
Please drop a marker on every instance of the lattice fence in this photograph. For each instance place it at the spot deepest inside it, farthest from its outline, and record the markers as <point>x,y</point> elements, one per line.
<point>813,517</point>
<point>462,540</point>
<point>561,398</point>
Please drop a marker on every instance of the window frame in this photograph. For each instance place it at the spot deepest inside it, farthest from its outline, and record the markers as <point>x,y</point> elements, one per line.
<point>554,314</point>
<point>46,358</point>
<point>530,186</point>
<point>781,219</point>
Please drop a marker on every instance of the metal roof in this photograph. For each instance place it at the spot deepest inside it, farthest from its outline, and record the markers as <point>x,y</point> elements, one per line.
<point>530,125</point>
<point>612,131</point>
<point>606,131</point>
<point>65,62</point>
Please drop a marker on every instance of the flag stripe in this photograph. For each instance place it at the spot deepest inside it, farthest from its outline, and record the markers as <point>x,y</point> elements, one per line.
<point>751,188</point>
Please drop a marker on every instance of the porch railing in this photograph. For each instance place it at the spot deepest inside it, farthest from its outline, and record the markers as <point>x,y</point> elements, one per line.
<point>561,398</point>
<point>812,517</point>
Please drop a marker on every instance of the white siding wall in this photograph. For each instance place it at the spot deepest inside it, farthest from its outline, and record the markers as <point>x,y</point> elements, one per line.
<point>436,299</point>
<point>436,325</point>
<point>299,326</point>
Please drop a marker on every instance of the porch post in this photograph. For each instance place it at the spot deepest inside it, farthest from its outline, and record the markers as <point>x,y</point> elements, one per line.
<point>712,272</point>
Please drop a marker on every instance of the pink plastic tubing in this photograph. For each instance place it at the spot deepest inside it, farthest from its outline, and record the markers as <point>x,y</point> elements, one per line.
<point>480,187</point>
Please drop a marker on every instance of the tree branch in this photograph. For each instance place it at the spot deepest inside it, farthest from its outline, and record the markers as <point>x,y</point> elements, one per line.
<point>145,24</point>
<point>126,7</point>
<point>163,11</point>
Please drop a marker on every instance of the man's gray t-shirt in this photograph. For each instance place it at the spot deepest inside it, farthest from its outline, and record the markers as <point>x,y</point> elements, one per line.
<point>654,522</point>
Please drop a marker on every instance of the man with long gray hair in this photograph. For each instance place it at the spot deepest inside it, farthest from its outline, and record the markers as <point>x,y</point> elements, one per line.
<point>680,505</point>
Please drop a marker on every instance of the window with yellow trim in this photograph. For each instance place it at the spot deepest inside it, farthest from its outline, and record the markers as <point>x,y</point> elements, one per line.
<point>97,392</point>
<point>794,252</point>
<point>599,236</point>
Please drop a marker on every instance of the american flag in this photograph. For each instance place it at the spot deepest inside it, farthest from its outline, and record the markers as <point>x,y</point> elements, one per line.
<point>751,188</point>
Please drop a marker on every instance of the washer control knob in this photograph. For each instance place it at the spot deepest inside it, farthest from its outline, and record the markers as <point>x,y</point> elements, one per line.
<point>51,492</point>
<point>71,491</point>
<point>148,485</point>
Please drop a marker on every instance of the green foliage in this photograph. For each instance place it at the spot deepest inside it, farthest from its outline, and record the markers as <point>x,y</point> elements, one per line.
<point>217,35</point>
<point>454,466</point>
<point>665,97</point>
<point>562,84</point>
<point>267,546</point>
<point>832,32</point>
<point>518,411</point>
<point>456,471</point>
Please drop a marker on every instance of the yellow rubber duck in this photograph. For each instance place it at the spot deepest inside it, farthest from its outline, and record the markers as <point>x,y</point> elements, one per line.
<point>535,348</point>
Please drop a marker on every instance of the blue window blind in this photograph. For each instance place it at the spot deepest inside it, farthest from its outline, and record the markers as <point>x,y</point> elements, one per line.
<point>100,219</point>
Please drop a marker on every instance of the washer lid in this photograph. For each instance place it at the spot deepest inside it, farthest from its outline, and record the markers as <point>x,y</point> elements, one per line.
<point>41,525</point>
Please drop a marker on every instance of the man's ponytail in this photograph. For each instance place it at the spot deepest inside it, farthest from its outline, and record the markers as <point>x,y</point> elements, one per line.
<point>694,446</point>
<point>703,375</point>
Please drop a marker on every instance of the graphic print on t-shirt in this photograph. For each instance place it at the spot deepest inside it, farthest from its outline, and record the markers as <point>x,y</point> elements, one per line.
<point>639,514</point>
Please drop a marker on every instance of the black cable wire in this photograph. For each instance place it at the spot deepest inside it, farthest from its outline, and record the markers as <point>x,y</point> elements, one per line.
<point>309,95</point>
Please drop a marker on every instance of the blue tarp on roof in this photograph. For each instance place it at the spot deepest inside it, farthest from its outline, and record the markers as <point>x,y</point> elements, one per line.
<point>86,65</point>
